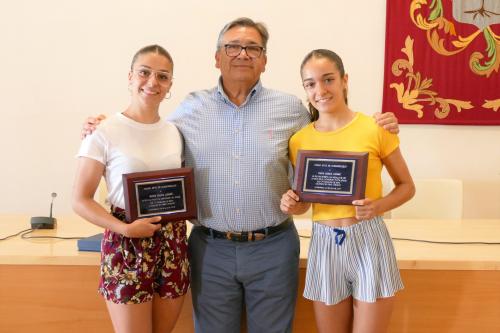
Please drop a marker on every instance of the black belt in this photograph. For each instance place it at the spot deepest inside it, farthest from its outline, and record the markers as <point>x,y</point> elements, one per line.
<point>246,236</point>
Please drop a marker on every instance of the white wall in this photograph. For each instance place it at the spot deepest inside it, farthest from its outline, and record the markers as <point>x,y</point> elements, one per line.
<point>63,60</point>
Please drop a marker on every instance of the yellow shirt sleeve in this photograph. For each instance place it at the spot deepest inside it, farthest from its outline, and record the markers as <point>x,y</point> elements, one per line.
<point>388,142</point>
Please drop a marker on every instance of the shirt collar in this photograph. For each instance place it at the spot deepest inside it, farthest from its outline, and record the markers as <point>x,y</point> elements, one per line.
<point>222,94</point>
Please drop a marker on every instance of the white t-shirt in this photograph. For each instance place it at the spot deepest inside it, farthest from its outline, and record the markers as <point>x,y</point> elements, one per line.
<point>124,146</point>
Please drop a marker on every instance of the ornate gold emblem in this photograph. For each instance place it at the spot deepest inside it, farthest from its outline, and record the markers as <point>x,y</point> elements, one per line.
<point>417,91</point>
<point>481,13</point>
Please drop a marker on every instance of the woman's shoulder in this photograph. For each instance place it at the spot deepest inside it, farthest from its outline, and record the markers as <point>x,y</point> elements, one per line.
<point>304,131</point>
<point>115,120</point>
<point>170,126</point>
<point>366,122</point>
<point>370,130</point>
<point>364,118</point>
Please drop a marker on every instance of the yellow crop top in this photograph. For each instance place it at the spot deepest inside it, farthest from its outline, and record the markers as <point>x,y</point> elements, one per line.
<point>362,134</point>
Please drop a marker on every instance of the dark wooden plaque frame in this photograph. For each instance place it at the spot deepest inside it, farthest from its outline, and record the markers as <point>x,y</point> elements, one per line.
<point>359,175</point>
<point>130,181</point>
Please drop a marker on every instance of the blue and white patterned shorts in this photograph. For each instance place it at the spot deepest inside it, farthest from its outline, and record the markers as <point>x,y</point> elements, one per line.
<point>357,260</point>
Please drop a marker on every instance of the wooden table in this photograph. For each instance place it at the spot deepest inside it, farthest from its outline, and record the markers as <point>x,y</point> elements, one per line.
<point>48,286</point>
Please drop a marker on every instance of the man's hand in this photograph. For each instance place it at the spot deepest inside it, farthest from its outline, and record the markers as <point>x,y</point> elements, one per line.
<point>90,125</point>
<point>388,121</point>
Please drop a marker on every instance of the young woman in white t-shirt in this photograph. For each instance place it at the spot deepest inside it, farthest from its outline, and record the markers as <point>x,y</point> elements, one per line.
<point>144,264</point>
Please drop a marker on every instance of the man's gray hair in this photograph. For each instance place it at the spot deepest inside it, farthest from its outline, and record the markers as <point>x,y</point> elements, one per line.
<point>245,22</point>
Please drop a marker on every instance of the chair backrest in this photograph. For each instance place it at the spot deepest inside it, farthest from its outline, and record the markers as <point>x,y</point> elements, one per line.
<point>435,198</point>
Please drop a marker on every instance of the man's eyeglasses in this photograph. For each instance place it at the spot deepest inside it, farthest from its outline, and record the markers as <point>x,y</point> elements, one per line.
<point>162,77</point>
<point>252,51</point>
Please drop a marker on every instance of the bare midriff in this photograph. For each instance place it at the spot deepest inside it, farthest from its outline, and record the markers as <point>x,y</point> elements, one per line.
<point>343,222</point>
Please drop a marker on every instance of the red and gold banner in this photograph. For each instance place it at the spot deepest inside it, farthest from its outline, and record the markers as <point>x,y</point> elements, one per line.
<point>442,60</point>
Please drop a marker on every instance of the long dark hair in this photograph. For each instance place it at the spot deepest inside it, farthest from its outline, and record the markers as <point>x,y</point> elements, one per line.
<point>333,57</point>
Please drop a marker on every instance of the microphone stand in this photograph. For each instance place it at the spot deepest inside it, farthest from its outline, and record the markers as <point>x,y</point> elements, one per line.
<point>45,222</point>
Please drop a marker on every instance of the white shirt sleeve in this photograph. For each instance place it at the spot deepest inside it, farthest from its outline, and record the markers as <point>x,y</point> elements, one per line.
<point>94,146</point>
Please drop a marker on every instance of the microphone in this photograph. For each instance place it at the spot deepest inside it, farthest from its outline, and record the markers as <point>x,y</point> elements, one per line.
<point>44,222</point>
<point>53,195</point>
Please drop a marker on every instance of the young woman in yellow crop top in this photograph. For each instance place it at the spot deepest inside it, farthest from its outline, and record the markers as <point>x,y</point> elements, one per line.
<point>352,272</point>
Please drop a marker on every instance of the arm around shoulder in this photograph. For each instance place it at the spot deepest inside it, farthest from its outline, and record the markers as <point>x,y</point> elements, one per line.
<point>90,125</point>
<point>387,121</point>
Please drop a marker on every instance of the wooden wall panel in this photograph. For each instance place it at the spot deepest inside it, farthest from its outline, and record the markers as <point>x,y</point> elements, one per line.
<point>64,299</point>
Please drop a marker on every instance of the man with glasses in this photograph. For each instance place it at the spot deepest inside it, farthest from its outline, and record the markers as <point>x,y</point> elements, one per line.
<point>244,250</point>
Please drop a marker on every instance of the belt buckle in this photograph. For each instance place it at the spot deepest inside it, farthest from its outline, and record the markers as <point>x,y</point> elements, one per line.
<point>244,236</point>
<point>237,236</point>
<point>258,236</point>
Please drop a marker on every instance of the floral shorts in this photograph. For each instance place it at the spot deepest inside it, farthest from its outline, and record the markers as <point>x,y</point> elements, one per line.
<point>134,269</point>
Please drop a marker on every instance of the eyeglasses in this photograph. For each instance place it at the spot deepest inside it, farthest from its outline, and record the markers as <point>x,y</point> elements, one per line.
<point>162,77</point>
<point>252,51</point>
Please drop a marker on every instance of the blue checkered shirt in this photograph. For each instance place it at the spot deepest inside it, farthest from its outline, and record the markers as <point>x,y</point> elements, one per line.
<point>239,154</point>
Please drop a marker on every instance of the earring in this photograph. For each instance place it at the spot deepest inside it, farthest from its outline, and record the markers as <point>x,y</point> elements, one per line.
<point>169,94</point>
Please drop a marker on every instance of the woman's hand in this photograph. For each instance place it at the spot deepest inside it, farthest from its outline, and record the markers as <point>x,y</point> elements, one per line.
<point>144,227</point>
<point>291,205</point>
<point>366,209</point>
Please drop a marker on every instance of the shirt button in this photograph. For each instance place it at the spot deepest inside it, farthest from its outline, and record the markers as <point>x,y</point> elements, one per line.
<point>237,182</point>
<point>236,156</point>
<point>237,210</point>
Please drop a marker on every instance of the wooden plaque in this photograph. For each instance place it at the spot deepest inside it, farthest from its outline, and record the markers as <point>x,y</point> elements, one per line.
<point>332,177</point>
<point>166,193</point>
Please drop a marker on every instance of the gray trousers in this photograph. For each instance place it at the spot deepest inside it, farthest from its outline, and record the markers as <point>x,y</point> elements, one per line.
<point>261,275</point>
